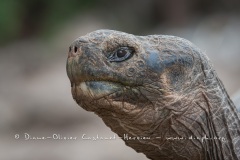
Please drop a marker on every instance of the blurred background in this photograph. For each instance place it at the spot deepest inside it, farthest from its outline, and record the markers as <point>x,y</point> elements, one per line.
<point>35,96</point>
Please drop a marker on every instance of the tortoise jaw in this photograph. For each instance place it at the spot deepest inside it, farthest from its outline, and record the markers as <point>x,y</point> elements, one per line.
<point>97,89</point>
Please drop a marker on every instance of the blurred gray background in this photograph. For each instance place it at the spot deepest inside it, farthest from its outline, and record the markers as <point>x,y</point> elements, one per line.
<point>35,96</point>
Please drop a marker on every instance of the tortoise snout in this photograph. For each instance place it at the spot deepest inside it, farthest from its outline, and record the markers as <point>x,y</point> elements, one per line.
<point>75,48</point>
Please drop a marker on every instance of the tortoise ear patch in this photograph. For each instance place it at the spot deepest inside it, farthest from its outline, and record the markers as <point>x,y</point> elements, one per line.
<point>153,61</point>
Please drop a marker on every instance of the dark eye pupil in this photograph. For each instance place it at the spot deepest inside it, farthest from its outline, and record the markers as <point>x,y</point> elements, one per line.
<point>121,53</point>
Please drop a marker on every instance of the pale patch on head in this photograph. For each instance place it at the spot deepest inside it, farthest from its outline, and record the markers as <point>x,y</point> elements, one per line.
<point>98,89</point>
<point>85,91</point>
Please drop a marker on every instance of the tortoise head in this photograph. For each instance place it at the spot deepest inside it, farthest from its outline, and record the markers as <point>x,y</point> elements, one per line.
<point>140,85</point>
<point>133,79</point>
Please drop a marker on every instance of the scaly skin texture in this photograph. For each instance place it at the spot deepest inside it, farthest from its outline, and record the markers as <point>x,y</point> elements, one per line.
<point>166,88</point>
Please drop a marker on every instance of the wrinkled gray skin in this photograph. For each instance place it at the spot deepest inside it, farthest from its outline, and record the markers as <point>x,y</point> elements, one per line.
<point>168,88</point>
<point>236,100</point>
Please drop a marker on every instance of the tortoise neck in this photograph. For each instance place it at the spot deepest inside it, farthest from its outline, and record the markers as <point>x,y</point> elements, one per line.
<point>226,125</point>
<point>222,132</point>
<point>213,119</point>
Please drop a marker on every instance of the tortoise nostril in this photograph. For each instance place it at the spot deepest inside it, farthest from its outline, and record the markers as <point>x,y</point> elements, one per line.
<point>75,49</point>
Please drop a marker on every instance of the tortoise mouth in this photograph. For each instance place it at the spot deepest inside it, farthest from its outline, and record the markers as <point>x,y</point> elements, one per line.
<point>97,89</point>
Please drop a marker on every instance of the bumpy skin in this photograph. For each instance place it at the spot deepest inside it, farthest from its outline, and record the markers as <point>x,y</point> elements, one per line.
<point>167,88</point>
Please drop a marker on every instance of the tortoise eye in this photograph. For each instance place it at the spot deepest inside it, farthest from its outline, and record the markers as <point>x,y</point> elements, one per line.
<point>121,54</point>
